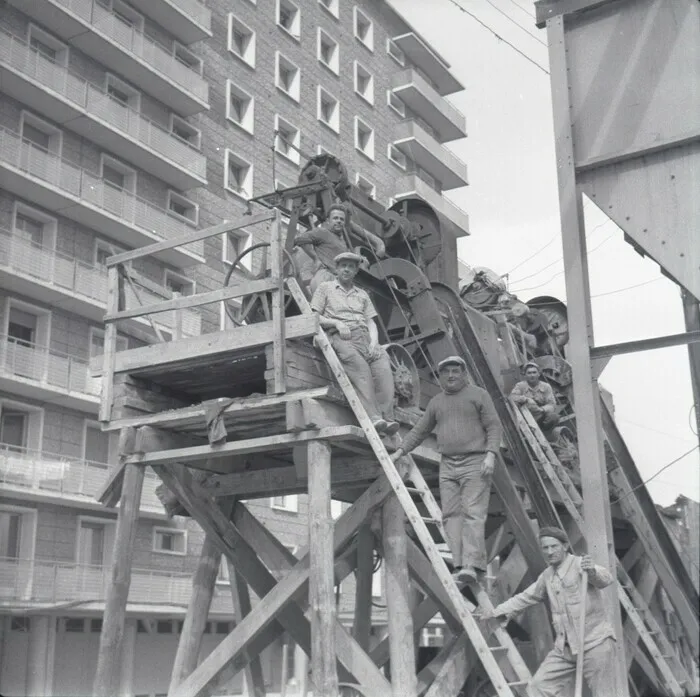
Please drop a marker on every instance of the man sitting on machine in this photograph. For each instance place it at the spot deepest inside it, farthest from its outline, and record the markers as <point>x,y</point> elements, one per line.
<point>538,396</point>
<point>347,312</point>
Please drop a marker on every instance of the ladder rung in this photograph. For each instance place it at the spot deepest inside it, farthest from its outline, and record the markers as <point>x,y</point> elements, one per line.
<point>519,683</point>
<point>499,648</point>
<point>432,521</point>
<point>413,490</point>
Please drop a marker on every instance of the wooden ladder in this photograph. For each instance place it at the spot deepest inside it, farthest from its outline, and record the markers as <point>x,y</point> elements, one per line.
<point>504,653</point>
<point>640,615</point>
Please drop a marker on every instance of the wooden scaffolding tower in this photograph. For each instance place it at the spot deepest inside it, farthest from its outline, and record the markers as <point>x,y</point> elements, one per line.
<point>256,411</point>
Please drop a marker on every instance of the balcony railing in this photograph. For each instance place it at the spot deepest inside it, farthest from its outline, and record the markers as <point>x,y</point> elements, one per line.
<point>135,41</point>
<point>82,184</point>
<point>58,475</point>
<point>96,102</point>
<point>66,273</point>
<point>46,367</point>
<point>196,9</point>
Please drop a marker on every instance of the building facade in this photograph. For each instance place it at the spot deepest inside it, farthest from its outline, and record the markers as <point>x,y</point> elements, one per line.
<point>121,124</point>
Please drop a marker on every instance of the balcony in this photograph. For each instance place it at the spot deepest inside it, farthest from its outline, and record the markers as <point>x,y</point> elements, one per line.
<point>88,110</point>
<point>58,185</point>
<point>63,282</point>
<point>120,46</point>
<point>422,99</point>
<point>63,479</point>
<point>37,372</point>
<point>420,146</point>
<point>412,185</point>
<point>187,20</point>
<point>424,57</point>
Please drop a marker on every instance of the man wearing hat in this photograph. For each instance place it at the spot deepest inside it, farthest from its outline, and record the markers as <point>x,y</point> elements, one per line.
<point>561,583</point>
<point>537,395</point>
<point>468,435</point>
<point>347,312</point>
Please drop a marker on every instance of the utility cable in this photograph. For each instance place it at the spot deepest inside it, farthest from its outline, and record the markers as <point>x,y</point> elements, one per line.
<point>620,290</point>
<point>520,26</point>
<point>520,7</point>
<point>498,36</point>
<point>532,256</point>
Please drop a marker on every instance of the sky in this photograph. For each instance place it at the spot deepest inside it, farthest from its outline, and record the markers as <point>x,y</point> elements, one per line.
<point>512,202</point>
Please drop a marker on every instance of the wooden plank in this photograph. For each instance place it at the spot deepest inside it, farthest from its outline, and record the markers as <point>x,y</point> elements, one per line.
<point>549,9</point>
<point>210,345</point>
<point>321,582</point>
<point>184,301</point>
<point>156,247</point>
<point>107,674</point>
<point>397,588</point>
<point>459,661</point>
<point>110,347</point>
<point>362,620</point>
<point>203,584</point>
<point>278,324</point>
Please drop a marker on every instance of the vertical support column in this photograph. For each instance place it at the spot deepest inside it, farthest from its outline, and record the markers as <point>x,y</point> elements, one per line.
<point>321,577</point>
<point>126,681</point>
<point>109,655</point>
<point>110,348</point>
<point>594,479</point>
<point>362,623</point>
<point>40,659</point>
<point>397,586</point>
<point>190,643</point>
<point>691,311</point>
<point>276,260</point>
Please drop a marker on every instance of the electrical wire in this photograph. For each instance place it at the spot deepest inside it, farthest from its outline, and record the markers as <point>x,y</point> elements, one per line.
<point>621,290</point>
<point>532,256</point>
<point>520,7</point>
<point>498,36</point>
<point>657,473</point>
<point>655,430</point>
<point>520,26</point>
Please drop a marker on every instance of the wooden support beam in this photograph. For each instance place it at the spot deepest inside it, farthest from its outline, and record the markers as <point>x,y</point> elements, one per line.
<point>110,347</point>
<point>657,342</point>
<point>107,674</point>
<point>646,585</point>
<point>203,584</point>
<point>452,670</point>
<point>279,380</point>
<point>321,582</point>
<point>398,586</point>
<point>362,621</point>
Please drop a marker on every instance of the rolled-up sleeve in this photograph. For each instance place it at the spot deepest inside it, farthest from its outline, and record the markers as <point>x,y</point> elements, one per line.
<point>318,301</point>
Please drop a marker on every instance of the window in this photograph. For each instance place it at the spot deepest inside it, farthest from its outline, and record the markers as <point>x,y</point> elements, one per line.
<point>396,156</point>
<point>331,6</point>
<point>364,28</point>
<point>96,626</point>
<point>289,18</point>
<point>122,93</point>
<point>287,140</point>
<point>328,51</point>
<point>40,133</point>
<point>169,541</point>
<point>396,103</point>
<point>10,530</point>
<point>74,624</point>
<point>184,131</point>
<point>20,624</point>
<point>118,175</point>
<point>177,283</point>
<point>164,626</point>
<point>241,40</point>
<point>364,83</point>
<point>285,503</point>
<point>287,77</point>
<point>20,427</point>
<point>92,542</point>
<point>187,58</point>
<point>47,47</point>
<point>29,230</point>
<point>365,185</point>
<point>395,52</point>
<point>364,138</point>
<point>127,15</point>
<point>238,175</point>
<point>183,208</point>
<point>34,228</point>
<point>328,110</point>
<point>223,576</point>
<point>240,107</point>
<point>234,244</point>
<point>96,443</point>
<point>97,342</point>
<point>432,636</point>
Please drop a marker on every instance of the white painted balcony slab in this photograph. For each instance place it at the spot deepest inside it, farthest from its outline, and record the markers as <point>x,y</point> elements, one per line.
<point>59,478</point>
<point>58,185</point>
<point>88,110</point>
<point>37,372</point>
<point>436,68</point>
<point>422,98</point>
<point>63,282</point>
<point>124,49</point>
<point>412,185</point>
<point>422,147</point>
<point>187,20</point>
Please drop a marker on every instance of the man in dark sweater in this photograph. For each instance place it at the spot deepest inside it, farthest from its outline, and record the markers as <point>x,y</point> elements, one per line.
<point>468,435</point>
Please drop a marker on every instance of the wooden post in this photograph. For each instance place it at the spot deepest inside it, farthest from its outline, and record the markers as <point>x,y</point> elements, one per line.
<point>362,623</point>
<point>110,345</point>
<point>691,312</point>
<point>278,352</point>
<point>397,587</point>
<point>203,583</point>
<point>321,577</point>
<point>109,654</point>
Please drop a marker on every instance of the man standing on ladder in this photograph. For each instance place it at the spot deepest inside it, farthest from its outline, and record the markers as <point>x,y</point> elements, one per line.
<point>468,436</point>
<point>564,583</point>
<point>538,396</point>
<point>348,313</point>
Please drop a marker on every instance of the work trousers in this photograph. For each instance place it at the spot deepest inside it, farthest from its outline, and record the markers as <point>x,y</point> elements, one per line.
<point>370,374</point>
<point>464,495</point>
<point>556,677</point>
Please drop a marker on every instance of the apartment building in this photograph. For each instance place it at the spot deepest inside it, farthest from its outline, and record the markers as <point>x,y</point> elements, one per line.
<point>121,124</point>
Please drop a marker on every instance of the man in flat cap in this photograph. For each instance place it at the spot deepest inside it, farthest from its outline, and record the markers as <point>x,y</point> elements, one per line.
<point>468,435</point>
<point>537,395</point>
<point>561,583</point>
<point>347,312</point>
